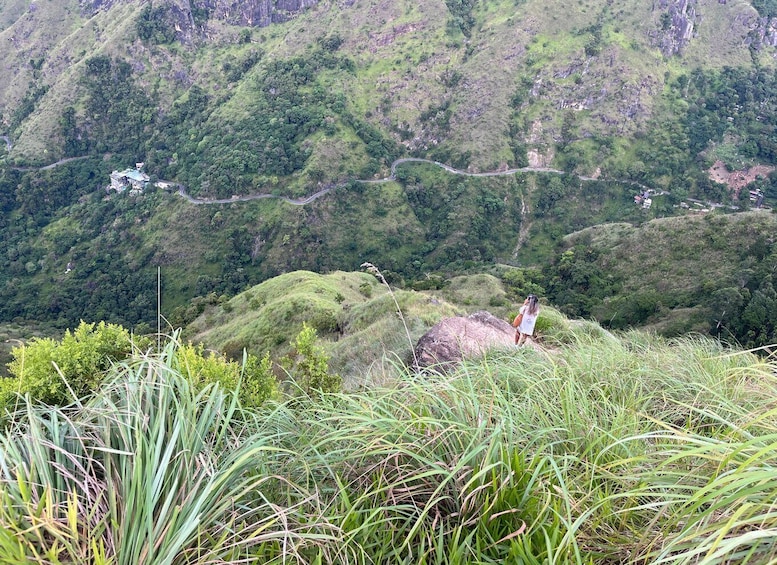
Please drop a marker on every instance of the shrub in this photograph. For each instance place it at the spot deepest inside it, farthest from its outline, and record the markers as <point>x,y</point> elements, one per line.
<point>324,321</point>
<point>552,325</point>
<point>543,324</point>
<point>58,372</point>
<point>308,365</point>
<point>366,289</point>
<point>253,378</point>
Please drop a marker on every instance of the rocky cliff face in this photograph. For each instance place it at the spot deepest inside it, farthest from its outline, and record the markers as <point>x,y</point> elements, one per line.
<point>678,18</point>
<point>258,13</point>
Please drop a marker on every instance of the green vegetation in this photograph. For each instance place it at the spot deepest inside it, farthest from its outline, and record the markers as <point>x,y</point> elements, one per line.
<point>253,378</point>
<point>120,114</point>
<point>732,102</point>
<point>317,103</point>
<point>58,372</point>
<point>711,274</point>
<point>61,372</point>
<point>352,316</point>
<point>624,449</point>
<point>12,335</point>
<point>462,19</point>
<point>289,430</point>
<point>95,267</point>
<point>160,451</point>
<point>766,8</point>
<point>154,24</point>
<point>308,366</point>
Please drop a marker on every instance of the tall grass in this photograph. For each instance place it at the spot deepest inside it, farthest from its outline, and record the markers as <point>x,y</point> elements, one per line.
<point>602,449</point>
<point>148,471</point>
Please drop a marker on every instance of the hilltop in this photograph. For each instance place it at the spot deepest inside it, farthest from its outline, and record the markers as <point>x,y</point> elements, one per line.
<point>369,331</point>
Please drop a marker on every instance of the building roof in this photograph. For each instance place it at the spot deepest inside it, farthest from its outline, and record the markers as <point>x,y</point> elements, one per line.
<point>135,175</point>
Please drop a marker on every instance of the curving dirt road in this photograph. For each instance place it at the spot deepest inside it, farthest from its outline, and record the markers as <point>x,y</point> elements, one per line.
<point>295,201</point>
<point>52,165</point>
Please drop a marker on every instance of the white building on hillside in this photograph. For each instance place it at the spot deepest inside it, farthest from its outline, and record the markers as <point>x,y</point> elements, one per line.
<point>134,179</point>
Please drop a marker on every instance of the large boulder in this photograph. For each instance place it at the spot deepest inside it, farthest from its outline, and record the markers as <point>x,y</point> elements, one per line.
<point>454,339</point>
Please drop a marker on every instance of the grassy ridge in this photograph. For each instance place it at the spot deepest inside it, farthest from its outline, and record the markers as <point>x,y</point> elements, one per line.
<point>601,449</point>
<point>353,314</point>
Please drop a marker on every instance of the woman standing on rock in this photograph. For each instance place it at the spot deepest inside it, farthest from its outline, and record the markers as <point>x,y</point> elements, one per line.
<point>526,318</point>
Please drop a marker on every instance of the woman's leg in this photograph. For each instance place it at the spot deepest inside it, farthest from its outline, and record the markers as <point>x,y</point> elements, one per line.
<point>521,339</point>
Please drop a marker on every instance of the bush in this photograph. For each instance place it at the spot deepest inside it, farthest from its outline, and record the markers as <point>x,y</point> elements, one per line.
<point>59,372</point>
<point>543,324</point>
<point>308,365</point>
<point>552,325</point>
<point>253,378</point>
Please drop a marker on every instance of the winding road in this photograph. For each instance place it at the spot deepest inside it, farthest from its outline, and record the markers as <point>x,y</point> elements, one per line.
<point>52,165</point>
<point>308,199</point>
<point>182,190</point>
<point>8,144</point>
<point>295,201</point>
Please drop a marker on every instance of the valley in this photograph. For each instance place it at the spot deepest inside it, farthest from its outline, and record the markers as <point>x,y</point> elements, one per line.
<point>259,260</point>
<point>445,138</point>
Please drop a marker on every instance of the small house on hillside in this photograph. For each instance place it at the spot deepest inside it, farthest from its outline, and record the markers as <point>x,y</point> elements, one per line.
<point>133,179</point>
<point>643,199</point>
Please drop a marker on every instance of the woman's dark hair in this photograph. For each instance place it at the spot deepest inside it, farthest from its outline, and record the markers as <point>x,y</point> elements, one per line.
<point>533,306</point>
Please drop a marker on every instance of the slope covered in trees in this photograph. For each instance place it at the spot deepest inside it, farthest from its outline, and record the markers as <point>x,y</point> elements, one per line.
<point>615,96</point>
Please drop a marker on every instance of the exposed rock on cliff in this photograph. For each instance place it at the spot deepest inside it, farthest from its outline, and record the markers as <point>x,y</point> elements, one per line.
<point>678,19</point>
<point>258,13</point>
<point>454,339</point>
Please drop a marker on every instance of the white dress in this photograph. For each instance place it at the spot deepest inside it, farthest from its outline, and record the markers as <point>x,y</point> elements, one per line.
<point>527,322</point>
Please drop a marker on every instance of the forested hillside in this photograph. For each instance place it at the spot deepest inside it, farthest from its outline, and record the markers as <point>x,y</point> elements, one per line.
<point>710,274</point>
<point>593,101</point>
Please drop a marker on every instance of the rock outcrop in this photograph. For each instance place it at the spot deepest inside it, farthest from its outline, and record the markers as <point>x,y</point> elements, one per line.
<point>257,13</point>
<point>678,18</point>
<point>454,339</point>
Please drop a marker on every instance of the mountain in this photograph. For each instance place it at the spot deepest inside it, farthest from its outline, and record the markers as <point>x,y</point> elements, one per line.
<point>486,84</point>
<point>567,109</point>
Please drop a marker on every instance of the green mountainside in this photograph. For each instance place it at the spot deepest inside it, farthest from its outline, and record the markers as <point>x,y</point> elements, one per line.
<point>710,273</point>
<point>575,107</point>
